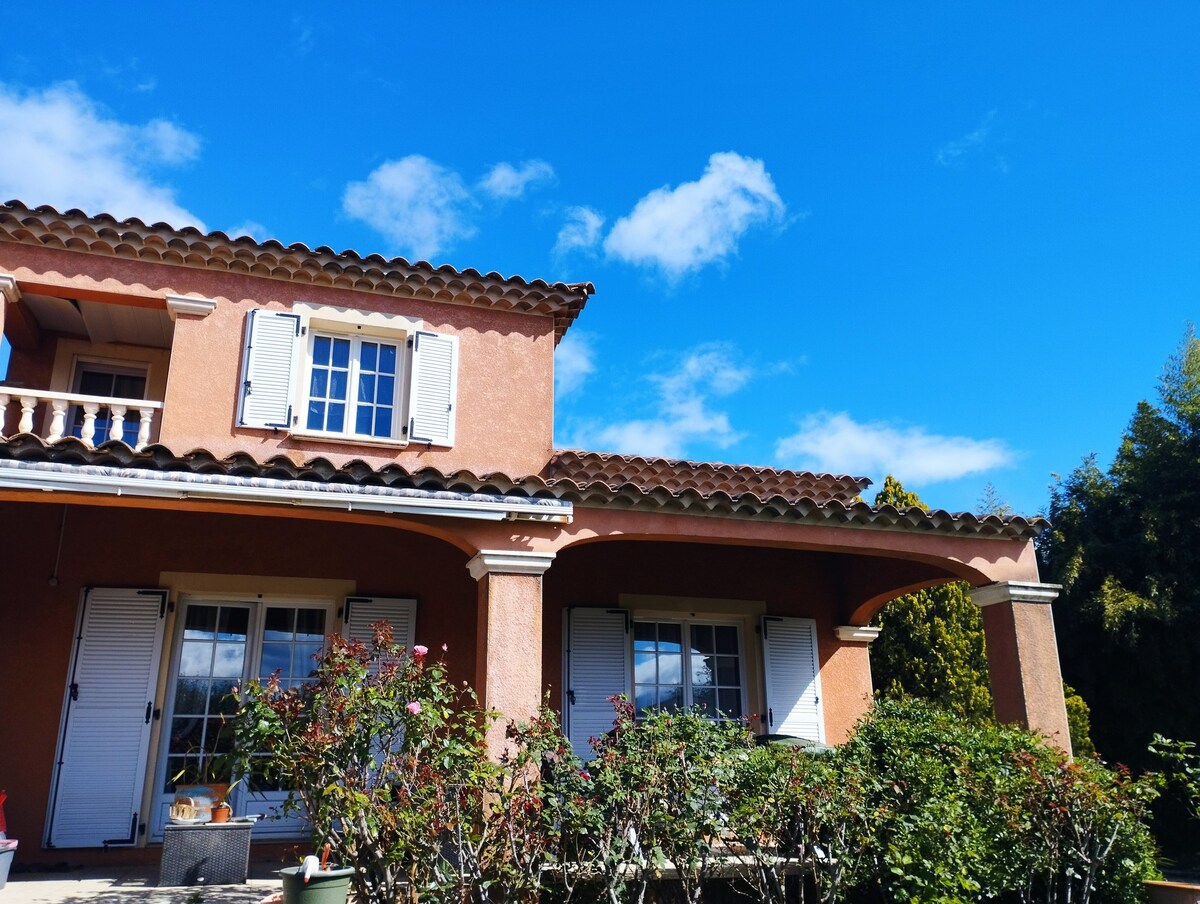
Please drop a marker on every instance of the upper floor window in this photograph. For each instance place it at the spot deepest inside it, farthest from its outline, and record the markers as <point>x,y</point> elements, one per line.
<point>104,381</point>
<point>366,377</point>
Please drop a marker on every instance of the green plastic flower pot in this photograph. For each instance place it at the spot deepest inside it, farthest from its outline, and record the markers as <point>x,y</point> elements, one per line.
<point>330,886</point>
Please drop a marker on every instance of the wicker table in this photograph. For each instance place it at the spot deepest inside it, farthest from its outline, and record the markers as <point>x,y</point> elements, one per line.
<point>208,854</point>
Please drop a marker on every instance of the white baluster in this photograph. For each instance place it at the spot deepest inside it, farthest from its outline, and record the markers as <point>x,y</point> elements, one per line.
<point>26,423</point>
<point>5,398</point>
<point>117,430</point>
<point>58,419</point>
<point>88,433</point>
<point>143,437</point>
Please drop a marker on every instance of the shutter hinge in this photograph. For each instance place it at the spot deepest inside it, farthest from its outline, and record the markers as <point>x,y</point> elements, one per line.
<point>245,387</point>
<point>149,711</point>
<point>74,691</point>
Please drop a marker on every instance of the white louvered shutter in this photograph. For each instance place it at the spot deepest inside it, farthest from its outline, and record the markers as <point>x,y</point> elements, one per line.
<point>101,764</point>
<point>597,666</point>
<point>363,611</point>
<point>793,678</point>
<point>268,369</point>
<point>432,396</point>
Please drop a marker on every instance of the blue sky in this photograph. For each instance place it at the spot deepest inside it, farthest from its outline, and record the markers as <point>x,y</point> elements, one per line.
<point>955,243</point>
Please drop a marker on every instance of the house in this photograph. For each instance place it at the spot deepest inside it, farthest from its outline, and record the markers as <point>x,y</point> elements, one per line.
<point>216,452</point>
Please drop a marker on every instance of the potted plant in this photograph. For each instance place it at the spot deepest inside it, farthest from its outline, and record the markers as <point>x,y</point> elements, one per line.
<point>313,882</point>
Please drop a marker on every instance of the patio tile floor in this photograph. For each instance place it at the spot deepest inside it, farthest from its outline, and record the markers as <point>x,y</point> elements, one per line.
<point>134,885</point>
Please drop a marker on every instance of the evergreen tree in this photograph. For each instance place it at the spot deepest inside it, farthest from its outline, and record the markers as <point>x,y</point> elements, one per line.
<point>931,645</point>
<point>1126,546</point>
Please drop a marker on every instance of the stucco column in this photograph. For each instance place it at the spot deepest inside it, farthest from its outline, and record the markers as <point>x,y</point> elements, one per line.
<point>1023,656</point>
<point>508,671</point>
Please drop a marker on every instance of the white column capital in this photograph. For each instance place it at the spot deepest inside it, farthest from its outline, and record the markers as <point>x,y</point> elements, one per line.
<point>8,289</point>
<point>187,304</point>
<point>504,561</point>
<point>1015,592</point>
<point>856,633</point>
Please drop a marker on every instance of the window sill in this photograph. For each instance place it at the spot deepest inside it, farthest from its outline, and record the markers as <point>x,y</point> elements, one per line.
<point>347,439</point>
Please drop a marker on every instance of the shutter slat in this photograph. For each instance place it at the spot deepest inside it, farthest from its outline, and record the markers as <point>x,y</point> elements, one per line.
<point>793,678</point>
<point>598,661</point>
<point>268,369</point>
<point>432,396</point>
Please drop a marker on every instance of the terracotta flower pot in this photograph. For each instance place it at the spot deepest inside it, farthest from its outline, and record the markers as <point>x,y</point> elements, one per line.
<point>221,812</point>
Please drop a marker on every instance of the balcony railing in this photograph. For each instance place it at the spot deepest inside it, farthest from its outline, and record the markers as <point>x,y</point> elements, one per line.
<point>117,412</point>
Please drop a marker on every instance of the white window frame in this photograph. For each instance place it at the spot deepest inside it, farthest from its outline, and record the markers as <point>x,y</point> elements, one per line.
<point>686,652</point>
<point>425,400</point>
<point>304,397</point>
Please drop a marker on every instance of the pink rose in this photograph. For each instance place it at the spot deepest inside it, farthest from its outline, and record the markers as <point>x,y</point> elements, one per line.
<point>584,775</point>
<point>444,648</point>
<point>414,707</point>
<point>420,652</point>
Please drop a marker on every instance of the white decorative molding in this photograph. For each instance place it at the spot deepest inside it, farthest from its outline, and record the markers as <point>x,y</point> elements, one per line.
<point>8,288</point>
<point>856,633</point>
<point>187,304</point>
<point>1016,592</point>
<point>503,561</point>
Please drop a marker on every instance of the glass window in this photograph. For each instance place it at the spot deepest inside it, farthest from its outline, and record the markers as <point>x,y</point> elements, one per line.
<point>705,672</point>
<point>352,386</point>
<point>96,380</point>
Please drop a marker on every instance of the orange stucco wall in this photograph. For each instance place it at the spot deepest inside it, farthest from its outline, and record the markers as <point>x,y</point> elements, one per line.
<point>505,379</point>
<point>123,548</point>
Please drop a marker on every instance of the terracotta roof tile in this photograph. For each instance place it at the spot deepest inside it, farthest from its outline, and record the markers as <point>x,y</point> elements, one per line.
<point>618,472</point>
<point>189,247</point>
<point>584,478</point>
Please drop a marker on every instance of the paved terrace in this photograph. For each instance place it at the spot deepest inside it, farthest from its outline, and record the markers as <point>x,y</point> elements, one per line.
<point>135,885</point>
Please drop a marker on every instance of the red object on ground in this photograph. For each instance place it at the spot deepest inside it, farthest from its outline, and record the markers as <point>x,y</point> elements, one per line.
<point>3,824</point>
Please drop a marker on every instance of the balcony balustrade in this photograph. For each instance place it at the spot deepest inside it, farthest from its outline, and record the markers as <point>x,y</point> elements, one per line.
<point>113,413</point>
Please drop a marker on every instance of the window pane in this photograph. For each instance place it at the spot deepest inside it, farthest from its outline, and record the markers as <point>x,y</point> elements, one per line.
<point>387,390</point>
<point>338,383</point>
<point>670,668</point>
<point>304,663</point>
<point>645,668</point>
<point>186,734</point>
<point>362,420</point>
<point>369,356</point>
<point>228,660</point>
<point>647,698</point>
<point>196,658</point>
<point>727,639</point>
<point>276,656</point>
<point>316,415</point>
<point>644,635</point>
<point>702,638</point>
<point>366,388</point>
<point>387,359</point>
<point>93,382</point>
<point>337,418</point>
<point>670,635</point>
<point>190,695</point>
<point>383,421</point>
<point>129,386</point>
<point>200,622</point>
<point>702,670</point>
<point>728,673</point>
<point>706,699</point>
<point>310,624</point>
<point>279,623</point>
<point>221,698</point>
<point>730,703</point>
<point>234,623</point>
<point>321,346</point>
<point>341,353</point>
<point>670,698</point>
<point>319,386</point>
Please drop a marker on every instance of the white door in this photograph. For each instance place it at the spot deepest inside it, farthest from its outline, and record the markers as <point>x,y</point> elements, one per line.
<point>100,768</point>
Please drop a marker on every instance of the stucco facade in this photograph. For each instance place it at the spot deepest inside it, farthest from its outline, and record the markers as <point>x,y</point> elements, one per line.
<point>542,570</point>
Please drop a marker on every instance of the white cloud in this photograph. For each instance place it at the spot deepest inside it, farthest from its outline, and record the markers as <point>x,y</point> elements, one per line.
<point>60,148</point>
<point>255,230</point>
<point>684,412</point>
<point>836,443</point>
<point>696,223</point>
<point>952,152</point>
<point>506,182</point>
<point>582,230</point>
<point>574,361</point>
<point>415,203</point>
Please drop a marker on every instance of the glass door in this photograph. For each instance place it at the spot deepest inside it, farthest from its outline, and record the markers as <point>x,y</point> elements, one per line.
<point>220,645</point>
